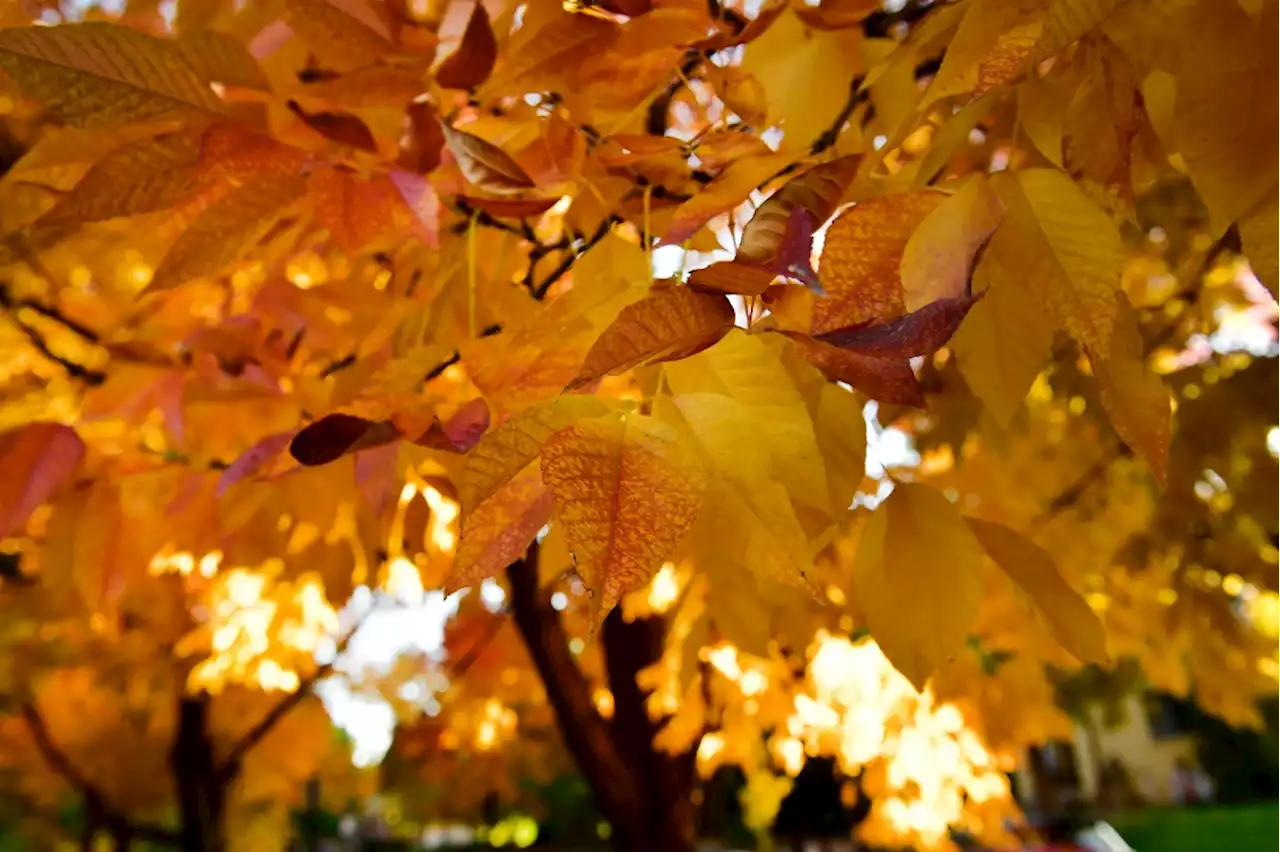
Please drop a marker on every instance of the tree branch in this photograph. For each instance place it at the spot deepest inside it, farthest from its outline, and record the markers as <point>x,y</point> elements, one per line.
<point>95,801</point>
<point>539,291</point>
<point>231,767</point>
<point>584,731</point>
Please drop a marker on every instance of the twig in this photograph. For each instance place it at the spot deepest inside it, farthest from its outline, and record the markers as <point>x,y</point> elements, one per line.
<point>61,764</point>
<point>458,669</point>
<point>76,371</point>
<point>231,767</point>
<point>539,291</point>
<point>829,136</point>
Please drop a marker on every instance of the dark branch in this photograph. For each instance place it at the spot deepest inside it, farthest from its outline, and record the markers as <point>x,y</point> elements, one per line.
<point>584,731</point>
<point>95,801</point>
<point>829,136</point>
<point>539,290</point>
<point>235,758</point>
<point>656,120</point>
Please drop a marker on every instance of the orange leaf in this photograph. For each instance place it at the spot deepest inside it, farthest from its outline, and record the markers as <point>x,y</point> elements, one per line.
<point>626,490</point>
<point>498,531</point>
<point>219,58</point>
<point>142,177</point>
<point>666,325</point>
<point>729,189</point>
<point>229,150</point>
<point>742,93</point>
<point>861,256</point>
<point>730,276</point>
<point>562,42</point>
<point>426,141</point>
<point>355,210</point>
<point>37,459</point>
<point>485,165</point>
<point>467,65</point>
<point>254,459</point>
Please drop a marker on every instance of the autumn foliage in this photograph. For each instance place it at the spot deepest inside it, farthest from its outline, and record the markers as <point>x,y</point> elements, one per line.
<point>814,378</point>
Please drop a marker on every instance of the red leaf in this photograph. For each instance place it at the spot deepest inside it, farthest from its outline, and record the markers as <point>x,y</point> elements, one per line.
<point>340,127</point>
<point>336,435</point>
<point>37,459</point>
<point>426,141</point>
<point>253,459</point>
<point>420,198</point>
<point>354,209</point>
<point>511,208</point>
<point>460,432</point>
<point>472,62</point>
<point>889,380</point>
<point>229,150</point>
<point>921,332</point>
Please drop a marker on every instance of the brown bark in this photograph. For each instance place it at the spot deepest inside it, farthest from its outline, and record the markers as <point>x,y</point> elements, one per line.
<point>644,794</point>
<point>201,787</point>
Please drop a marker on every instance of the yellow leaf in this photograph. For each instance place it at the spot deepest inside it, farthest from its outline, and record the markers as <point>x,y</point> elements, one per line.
<point>1069,252</point>
<point>734,604</point>
<point>226,231</point>
<point>341,41</point>
<point>917,578</point>
<point>626,490</point>
<point>219,58</point>
<point>538,57</point>
<point>806,75</point>
<point>935,264</point>
<point>505,451</point>
<point>498,531</point>
<point>1008,334</point>
<point>95,74</point>
<point>669,324</point>
<point>1135,398</point>
<point>818,191</point>
<point>842,438</point>
<point>861,258</point>
<point>749,370</point>
<point>753,519</point>
<point>142,177</point>
<point>1073,623</point>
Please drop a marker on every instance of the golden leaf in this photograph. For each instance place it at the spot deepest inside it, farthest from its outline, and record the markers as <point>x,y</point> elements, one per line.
<point>1135,398</point>
<point>748,513</point>
<point>341,41</point>
<point>219,58</point>
<point>1008,334</point>
<point>1069,251</point>
<point>818,191</point>
<point>1073,623</point>
<point>936,262</point>
<point>1258,236</point>
<point>917,578</point>
<point>626,490</point>
<point>506,450</point>
<point>749,370</point>
<point>226,231</point>
<point>95,74</point>
<point>669,324</point>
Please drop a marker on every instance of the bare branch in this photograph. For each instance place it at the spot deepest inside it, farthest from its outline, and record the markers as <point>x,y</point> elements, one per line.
<point>231,767</point>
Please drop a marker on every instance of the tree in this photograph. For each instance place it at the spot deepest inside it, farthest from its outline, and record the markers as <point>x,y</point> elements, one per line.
<point>311,295</point>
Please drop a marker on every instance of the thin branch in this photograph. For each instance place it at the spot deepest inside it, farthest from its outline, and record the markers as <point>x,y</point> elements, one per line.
<point>458,669</point>
<point>62,765</point>
<point>829,136</point>
<point>231,767</point>
<point>539,291</point>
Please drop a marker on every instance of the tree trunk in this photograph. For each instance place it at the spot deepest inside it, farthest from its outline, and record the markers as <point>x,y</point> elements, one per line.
<point>643,793</point>
<point>201,791</point>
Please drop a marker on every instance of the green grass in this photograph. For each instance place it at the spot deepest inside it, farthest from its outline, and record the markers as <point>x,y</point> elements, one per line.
<point>1241,828</point>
